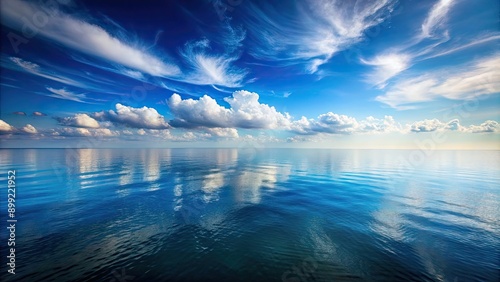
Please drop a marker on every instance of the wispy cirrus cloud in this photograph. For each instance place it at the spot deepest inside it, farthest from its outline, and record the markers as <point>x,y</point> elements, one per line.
<point>69,95</point>
<point>35,69</point>
<point>480,77</point>
<point>114,51</point>
<point>386,66</point>
<point>392,62</point>
<point>436,17</point>
<point>88,38</point>
<point>209,69</point>
<point>325,28</point>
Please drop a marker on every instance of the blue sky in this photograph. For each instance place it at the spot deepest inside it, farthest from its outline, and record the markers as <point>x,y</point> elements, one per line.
<point>340,74</point>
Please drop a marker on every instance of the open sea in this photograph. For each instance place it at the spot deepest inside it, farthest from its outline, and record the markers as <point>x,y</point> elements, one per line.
<point>252,215</point>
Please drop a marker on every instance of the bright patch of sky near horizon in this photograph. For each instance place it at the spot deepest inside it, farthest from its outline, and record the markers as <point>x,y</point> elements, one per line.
<point>377,74</point>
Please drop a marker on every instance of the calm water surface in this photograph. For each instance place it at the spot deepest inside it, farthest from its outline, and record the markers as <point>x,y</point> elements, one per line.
<point>253,215</point>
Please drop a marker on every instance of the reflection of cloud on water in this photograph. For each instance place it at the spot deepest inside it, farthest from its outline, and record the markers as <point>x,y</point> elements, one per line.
<point>86,163</point>
<point>248,183</point>
<point>126,176</point>
<point>388,223</point>
<point>212,182</point>
<point>193,191</point>
<point>210,185</point>
<point>226,157</point>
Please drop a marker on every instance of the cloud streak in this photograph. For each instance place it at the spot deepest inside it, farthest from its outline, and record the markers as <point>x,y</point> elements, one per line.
<point>325,28</point>
<point>210,69</point>
<point>481,77</point>
<point>436,17</point>
<point>87,38</point>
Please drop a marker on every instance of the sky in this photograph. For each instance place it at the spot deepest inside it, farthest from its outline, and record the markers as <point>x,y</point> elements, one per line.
<point>240,73</point>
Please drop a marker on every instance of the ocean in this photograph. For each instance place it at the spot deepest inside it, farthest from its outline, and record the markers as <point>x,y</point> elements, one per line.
<point>251,214</point>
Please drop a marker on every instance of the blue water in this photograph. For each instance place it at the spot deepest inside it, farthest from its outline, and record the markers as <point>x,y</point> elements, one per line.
<point>253,215</point>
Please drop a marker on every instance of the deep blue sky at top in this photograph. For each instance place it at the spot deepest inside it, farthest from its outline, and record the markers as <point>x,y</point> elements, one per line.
<point>405,59</point>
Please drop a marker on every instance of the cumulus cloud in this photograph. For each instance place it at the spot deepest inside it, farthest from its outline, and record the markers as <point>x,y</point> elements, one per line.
<point>30,129</point>
<point>332,123</point>
<point>245,112</point>
<point>39,114</point>
<point>85,37</point>
<point>223,132</point>
<point>35,69</point>
<point>19,113</point>
<point>430,125</point>
<point>325,123</point>
<point>83,132</point>
<point>79,120</point>
<point>481,77</point>
<point>391,63</point>
<point>427,125</point>
<point>147,118</point>
<point>375,125</point>
<point>485,127</point>
<point>5,127</point>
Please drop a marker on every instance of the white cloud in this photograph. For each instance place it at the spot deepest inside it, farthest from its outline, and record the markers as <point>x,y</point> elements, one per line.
<point>386,66</point>
<point>427,125</point>
<point>144,117</point>
<point>245,112</point>
<point>79,120</point>
<point>35,69</point>
<point>430,125</point>
<point>202,112</point>
<point>436,17</point>
<point>211,69</point>
<point>223,132</point>
<point>481,39</point>
<point>485,127</point>
<point>375,125</point>
<point>326,123</point>
<point>83,132</point>
<point>29,66</point>
<point>481,77</point>
<point>325,28</point>
<point>85,37</point>
<point>391,63</point>
<point>67,95</point>
<point>39,114</point>
<point>30,129</point>
<point>5,127</point>
<point>341,124</point>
